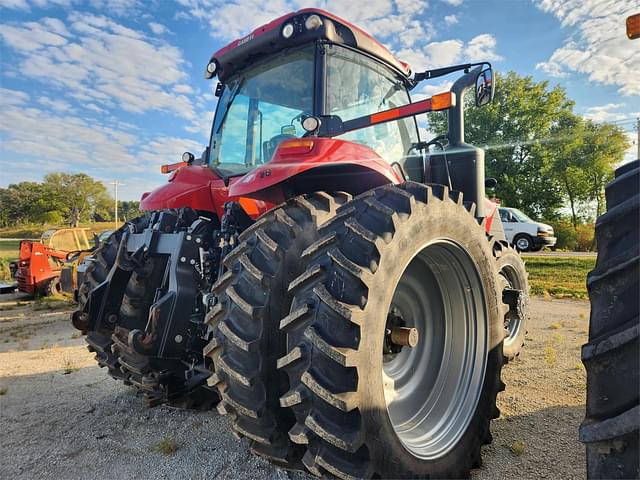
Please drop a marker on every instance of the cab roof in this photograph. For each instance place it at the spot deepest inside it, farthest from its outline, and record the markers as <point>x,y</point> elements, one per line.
<point>268,39</point>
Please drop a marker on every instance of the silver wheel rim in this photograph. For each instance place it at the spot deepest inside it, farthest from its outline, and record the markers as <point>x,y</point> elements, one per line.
<point>523,244</point>
<point>432,390</point>
<point>512,322</point>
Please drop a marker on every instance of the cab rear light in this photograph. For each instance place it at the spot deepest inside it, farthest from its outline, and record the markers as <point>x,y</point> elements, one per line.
<point>295,147</point>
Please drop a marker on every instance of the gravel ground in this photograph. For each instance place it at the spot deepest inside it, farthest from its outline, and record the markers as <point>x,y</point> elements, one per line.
<point>62,417</point>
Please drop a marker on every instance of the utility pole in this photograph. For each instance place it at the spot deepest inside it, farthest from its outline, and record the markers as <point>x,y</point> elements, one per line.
<point>116,184</point>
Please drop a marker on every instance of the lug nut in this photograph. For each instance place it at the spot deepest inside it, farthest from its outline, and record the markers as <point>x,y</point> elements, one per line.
<point>407,337</point>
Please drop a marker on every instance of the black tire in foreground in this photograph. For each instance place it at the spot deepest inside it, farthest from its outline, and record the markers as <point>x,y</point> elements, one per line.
<point>611,428</point>
<point>513,276</point>
<point>159,381</point>
<point>252,298</point>
<point>383,382</point>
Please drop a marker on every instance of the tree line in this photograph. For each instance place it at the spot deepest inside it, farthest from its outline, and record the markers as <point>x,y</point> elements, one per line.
<point>549,161</point>
<point>61,199</point>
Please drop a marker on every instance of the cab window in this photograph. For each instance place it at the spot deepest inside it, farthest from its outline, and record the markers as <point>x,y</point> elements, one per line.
<point>358,85</point>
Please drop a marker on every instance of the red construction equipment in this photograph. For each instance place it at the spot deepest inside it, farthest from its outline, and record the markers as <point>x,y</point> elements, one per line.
<point>37,270</point>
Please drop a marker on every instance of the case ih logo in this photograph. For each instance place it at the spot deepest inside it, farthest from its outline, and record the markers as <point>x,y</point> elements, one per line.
<point>246,39</point>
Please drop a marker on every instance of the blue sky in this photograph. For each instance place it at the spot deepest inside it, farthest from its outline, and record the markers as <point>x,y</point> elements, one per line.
<point>115,88</point>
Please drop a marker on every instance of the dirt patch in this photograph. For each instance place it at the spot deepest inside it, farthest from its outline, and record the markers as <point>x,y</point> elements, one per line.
<point>63,417</point>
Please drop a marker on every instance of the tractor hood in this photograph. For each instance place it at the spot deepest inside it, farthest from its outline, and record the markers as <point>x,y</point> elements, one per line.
<point>296,156</point>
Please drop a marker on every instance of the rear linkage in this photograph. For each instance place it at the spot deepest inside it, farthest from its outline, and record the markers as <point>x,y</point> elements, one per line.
<point>175,330</point>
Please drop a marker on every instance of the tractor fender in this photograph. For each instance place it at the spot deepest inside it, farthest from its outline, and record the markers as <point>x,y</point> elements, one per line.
<point>310,164</point>
<point>199,188</point>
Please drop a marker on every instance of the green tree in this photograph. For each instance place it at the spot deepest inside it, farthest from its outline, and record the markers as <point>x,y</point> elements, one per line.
<point>75,196</point>
<point>512,130</point>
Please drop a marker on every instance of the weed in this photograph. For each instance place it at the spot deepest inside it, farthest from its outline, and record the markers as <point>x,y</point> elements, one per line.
<point>555,326</point>
<point>583,316</point>
<point>166,446</point>
<point>3,390</point>
<point>579,366</point>
<point>550,355</point>
<point>517,447</point>
<point>556,339</point>
<point>69,367</point>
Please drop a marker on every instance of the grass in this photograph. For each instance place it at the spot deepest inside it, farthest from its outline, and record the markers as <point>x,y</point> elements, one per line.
<point>517,447</point>
<point>550,355</point>
<point>69,367</point>
<point>35,231</point>
<point>559,277</point>
<point>166,446</point>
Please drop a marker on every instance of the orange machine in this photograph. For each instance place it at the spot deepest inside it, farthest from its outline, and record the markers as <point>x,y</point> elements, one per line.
<point>38,268</point>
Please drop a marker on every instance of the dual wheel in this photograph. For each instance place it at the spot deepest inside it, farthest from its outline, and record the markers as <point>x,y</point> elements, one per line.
<point>364,337</point>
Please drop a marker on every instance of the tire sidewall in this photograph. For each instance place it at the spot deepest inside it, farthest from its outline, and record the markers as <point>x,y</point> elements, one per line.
<point>429,222</point>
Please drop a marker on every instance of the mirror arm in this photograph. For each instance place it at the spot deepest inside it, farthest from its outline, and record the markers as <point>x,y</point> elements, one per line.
<point>456,114</point>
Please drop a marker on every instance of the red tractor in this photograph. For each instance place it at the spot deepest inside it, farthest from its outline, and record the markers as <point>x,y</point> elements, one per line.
<point>339,286</point>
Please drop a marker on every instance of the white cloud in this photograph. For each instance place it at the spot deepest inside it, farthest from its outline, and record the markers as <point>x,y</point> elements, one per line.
<point>482,47</point>
<point>96,60</point>
<point>604,113</point>
<point>10,97</point>
<point>448,52</point>
<point>453,3</point>
<point>158,28</point>
<point>450,19</point>
<point>62,141</point>
<point>597,46</point>
<point>14,4</point>
<point>57,105</point>
<point>392,22</point>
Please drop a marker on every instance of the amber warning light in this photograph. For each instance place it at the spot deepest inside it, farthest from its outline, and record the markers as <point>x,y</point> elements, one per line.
<point>633,26</point>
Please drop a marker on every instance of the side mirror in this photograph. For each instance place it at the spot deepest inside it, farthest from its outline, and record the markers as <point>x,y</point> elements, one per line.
<point>490,183</point>
<point>485,87</point>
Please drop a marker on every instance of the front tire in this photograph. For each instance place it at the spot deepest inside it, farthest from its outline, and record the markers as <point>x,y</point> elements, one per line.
<point>523,243</point>
<point>397,257</point>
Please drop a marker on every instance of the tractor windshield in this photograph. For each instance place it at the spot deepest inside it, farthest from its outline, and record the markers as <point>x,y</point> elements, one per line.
<point>261,107</point>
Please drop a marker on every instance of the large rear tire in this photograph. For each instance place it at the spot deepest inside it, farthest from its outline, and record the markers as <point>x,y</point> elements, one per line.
<point>394,259</point>
<point>611,428</point>
<point>252,298</point>
<point>160,382</point>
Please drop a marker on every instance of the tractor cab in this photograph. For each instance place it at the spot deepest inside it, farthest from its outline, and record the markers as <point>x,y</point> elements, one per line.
<point>303,67</point>
<point>310,95</point>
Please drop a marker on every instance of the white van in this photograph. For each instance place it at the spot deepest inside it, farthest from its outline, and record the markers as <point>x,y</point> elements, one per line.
<point>525,234</point>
